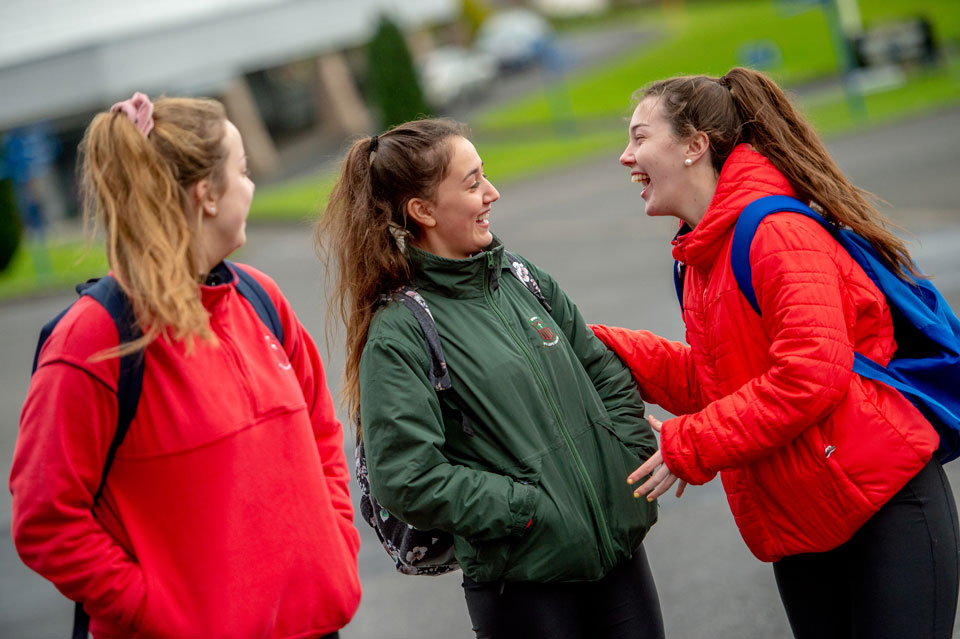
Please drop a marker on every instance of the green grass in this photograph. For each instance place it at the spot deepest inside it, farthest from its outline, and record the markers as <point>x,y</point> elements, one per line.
<point>58,265</point>
<point>706,37</point>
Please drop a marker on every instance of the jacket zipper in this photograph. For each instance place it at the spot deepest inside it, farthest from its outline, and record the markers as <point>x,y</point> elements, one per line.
<point>606,543</point>
<point>230,346</point>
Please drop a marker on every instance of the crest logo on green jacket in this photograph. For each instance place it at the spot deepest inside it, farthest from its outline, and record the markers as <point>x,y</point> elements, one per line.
<point>549,338</point>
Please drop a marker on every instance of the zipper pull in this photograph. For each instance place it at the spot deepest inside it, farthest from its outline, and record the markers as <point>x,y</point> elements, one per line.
<point>829,451</point>
<point>490,259</point>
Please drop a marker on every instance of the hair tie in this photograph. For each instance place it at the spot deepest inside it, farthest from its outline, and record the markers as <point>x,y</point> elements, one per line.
<point>139,110</point>
<point>372,151</point>
<point>724,81</point>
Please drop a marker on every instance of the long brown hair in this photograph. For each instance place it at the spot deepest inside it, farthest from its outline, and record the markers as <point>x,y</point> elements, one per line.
<point>746,106</point>
<point>362,235</point>
<point>137,187</point>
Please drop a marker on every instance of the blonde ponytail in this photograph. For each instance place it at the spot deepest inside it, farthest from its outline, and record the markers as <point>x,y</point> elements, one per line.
<point>137,187</point>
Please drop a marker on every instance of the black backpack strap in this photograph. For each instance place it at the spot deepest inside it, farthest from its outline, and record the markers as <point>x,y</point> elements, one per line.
<point>522,273</point>
<point>253,292</point>
<point>409,297</point>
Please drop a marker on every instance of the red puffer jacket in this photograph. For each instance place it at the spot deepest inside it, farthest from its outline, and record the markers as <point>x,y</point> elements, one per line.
<point>807,450</point>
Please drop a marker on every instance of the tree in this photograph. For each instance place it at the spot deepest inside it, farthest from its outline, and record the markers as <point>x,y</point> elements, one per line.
<point>10,229</point>
<point>393,83</point>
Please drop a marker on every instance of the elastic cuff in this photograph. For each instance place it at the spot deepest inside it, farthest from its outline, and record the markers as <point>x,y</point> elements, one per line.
<point>690,473</point>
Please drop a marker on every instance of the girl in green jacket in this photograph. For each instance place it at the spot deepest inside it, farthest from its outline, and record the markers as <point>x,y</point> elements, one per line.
<point>523,460</point>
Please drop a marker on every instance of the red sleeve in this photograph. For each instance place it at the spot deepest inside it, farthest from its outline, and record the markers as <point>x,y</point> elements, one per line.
<point>305,358</point>
<point>799,290</point>
<point>66,426</point>
<point>663,369</point>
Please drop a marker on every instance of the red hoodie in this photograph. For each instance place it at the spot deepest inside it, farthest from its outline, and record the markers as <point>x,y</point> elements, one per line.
<point>806,449</point>
<point>226,512</point>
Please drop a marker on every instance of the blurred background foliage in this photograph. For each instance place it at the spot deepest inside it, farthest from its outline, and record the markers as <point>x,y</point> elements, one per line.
<point>393,85</point>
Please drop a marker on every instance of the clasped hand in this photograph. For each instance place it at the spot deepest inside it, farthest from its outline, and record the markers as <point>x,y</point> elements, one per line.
<point>662,479</point>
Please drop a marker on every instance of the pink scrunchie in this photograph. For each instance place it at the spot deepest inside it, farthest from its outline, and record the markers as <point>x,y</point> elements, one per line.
<point>139,110</point>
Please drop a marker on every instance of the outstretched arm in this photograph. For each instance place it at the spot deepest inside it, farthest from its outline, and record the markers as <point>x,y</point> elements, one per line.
<point>664,370</point>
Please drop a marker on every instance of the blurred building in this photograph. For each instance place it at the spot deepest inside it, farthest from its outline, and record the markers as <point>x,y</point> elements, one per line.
<point>282,67</point>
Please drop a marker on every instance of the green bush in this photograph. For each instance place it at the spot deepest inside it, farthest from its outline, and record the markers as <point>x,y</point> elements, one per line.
<point>393,82</point>
<point>10,229</point>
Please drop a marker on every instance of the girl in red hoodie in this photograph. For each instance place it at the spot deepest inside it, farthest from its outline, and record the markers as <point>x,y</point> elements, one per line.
<point>226,511</point>
<point>829,475</point>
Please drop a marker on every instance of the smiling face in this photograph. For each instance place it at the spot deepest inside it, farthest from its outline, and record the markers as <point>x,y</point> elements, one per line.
<point>655,157</point>
<point>455,223</point>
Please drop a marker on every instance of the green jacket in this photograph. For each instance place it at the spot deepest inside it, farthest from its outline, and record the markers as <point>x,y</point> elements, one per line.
<point>557,425</point>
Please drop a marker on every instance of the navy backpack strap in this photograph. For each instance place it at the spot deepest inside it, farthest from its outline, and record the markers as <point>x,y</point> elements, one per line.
<point>129,383</point>
<point>746,228</point>
<point>409,297</point>
<point>679,270</point>
<point>522,273</point>
<point>253,291</point>
<point>130,380</point>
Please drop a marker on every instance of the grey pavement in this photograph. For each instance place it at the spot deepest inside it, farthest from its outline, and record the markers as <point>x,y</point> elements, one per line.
<point>586,226</point>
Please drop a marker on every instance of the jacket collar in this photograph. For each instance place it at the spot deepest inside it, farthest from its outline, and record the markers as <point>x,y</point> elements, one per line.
<point>745,177</point>
<point>456,278</point>
<point>219,282</point>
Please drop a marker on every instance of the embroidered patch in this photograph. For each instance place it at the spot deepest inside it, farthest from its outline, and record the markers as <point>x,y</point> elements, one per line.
<point>549,338</point>
<point>277,352</point>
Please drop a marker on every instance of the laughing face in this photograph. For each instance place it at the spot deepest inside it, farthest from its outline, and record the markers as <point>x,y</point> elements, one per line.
<point>458,225</point>
<point>655,157</point>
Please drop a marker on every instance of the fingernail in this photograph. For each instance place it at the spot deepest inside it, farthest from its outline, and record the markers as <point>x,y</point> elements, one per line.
<point>629,481</point>
<point>649,498</point>
<point>636,495</point>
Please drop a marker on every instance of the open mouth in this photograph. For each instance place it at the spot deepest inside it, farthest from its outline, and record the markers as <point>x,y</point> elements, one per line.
<point>484,220</point>
<point>640,178</point>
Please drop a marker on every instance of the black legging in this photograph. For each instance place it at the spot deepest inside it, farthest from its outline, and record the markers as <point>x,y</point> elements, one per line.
<point>895,578</point>
<point>622,605</point>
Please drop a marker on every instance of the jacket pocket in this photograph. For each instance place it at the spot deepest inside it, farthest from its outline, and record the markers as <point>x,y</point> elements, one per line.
<point>487,560</point>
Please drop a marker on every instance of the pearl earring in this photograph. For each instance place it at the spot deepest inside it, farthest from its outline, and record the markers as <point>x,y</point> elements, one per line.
<point>688,162</point>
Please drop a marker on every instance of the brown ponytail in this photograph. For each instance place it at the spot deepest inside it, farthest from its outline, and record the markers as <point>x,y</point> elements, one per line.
<point>137,187</point>
<point>362,234</point>
<point>746,106</point>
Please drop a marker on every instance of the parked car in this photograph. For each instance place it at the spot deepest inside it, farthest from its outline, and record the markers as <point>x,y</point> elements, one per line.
<point>515,38</point>
<point>452,74</point>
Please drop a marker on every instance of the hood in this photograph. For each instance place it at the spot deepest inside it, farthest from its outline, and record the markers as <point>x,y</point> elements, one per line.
<point>745,177</point>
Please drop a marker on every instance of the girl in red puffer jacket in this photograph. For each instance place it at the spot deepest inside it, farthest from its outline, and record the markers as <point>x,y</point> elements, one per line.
<point>829,475</point>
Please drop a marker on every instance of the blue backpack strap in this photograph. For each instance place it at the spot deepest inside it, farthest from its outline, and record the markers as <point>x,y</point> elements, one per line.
<point>253,292</point>
<point>522,273</point>
<point>746,228</point>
